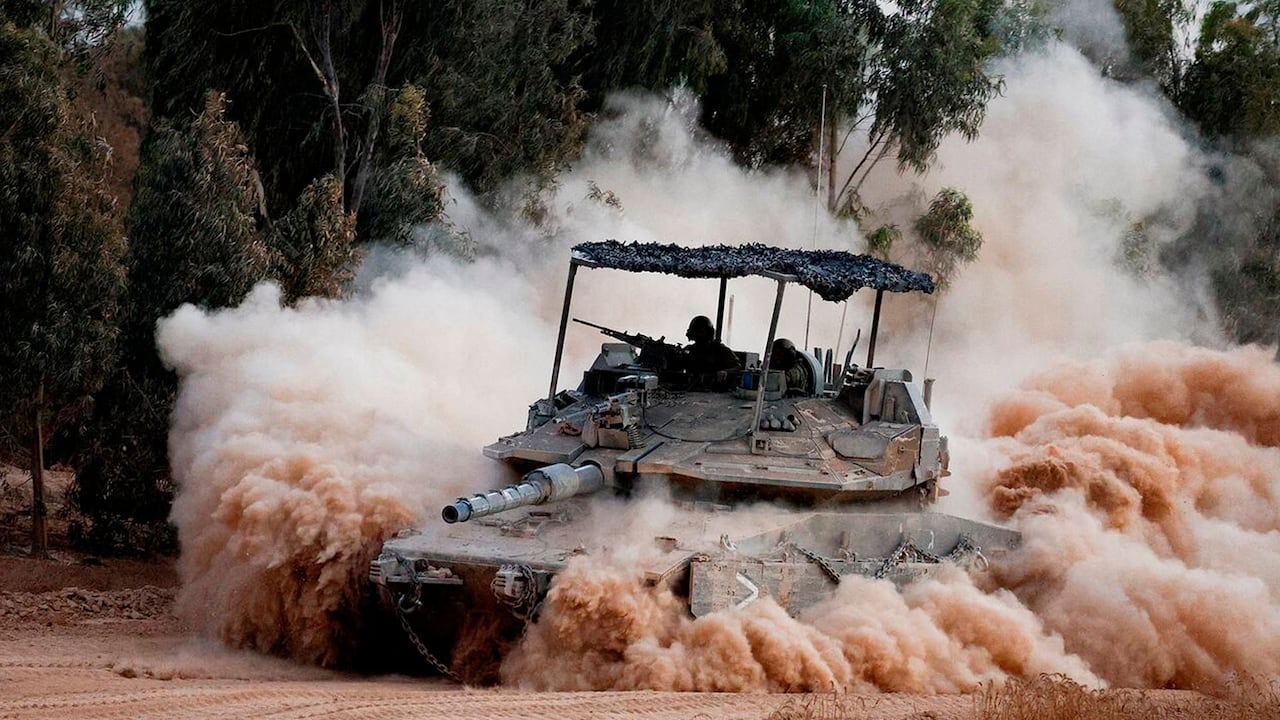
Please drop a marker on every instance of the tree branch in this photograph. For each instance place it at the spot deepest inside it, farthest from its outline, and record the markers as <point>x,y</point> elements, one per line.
<point>871,147</point>
<point>377,89</point>
<point>329,82</point>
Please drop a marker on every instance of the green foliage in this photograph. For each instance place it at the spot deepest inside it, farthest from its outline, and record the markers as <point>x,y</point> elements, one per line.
<point>61,231</point>
<point>60,255</point>
<point>881,240</point>
<point>199,235</point>
<point>194,222</point>
<point>501,102</point>
<point>916,71</point>
<point>194,232</point>
<point>1232,86</point>
<point>316,242</point>
<point>760,67</point>
<point>947,234</point>
<point>407,192</point>
<point>75,26</point>
<point>930,80</point>
<point>1151,27</point>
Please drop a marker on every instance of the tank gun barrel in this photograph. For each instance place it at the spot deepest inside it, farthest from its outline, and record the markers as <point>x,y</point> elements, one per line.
<point>552,483</point>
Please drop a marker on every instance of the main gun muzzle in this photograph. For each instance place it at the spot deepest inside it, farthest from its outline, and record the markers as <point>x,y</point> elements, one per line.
<point>552,483</point>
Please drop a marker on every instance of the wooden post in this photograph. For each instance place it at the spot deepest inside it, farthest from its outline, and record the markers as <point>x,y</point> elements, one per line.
<point>39,531</point>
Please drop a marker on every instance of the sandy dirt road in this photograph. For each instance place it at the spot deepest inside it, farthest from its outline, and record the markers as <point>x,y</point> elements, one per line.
<point>152,669</point>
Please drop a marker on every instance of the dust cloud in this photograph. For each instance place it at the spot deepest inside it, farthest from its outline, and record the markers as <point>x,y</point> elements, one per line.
<point>304,436</point>
<point>1141,469</point>
<point>1148,490</point>
<point>601,630</point>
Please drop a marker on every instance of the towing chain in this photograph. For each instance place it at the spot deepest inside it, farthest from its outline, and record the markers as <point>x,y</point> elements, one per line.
<point>820,561</point>
<point>968,554</point>
<point>402,612</point>
<point>906,551</point>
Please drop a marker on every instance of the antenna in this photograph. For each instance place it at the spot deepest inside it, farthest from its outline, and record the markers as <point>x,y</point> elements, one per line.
<point>929,348</point>
<point>817,196</point>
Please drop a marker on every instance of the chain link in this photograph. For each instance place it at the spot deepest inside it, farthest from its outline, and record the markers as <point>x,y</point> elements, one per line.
<point>426,654</point>
<point>820,561</point>
<point>908,552</point>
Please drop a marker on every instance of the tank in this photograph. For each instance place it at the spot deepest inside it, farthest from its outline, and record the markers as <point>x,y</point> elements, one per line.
<point>780,480</point>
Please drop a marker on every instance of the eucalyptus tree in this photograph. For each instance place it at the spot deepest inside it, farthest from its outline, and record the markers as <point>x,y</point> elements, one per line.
<point>61,251</point>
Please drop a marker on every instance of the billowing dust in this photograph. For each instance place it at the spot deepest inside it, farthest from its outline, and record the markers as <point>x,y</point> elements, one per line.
<point>1144,481</point>
<point>1146,488</point>
<point>1148,491</point>
<point>600,629</point>
<point>305,436</point>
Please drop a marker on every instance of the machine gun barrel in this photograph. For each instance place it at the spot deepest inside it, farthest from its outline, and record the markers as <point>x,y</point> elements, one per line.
<point>552,483</point>
<point>636,340</point>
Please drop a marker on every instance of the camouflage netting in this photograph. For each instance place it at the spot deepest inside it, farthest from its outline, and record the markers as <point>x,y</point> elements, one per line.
<point>833,274</point>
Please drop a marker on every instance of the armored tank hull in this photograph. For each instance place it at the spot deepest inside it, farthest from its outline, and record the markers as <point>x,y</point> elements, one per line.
<point>767,490</point>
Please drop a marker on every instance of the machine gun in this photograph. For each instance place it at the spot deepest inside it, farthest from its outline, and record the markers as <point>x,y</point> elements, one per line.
<point>656,354</point>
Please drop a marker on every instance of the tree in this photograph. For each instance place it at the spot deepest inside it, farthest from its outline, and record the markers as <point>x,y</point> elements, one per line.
<point>929,79</point>
<point>61,257</point>
<point>904,74</point>
<point>1232,85</point>
<point>195,237</point>
<point>947,234</point>
<point>407,193</point>
<point>1151,27</point>
<point>500,99</point>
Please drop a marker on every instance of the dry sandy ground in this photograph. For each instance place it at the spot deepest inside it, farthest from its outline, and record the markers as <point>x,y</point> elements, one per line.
<point>97,641</point>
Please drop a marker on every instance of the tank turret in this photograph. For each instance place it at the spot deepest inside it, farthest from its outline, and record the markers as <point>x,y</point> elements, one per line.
<point>552,483</point>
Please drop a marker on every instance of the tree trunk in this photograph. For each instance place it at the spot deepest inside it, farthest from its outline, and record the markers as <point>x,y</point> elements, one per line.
<point>39,531</point>
<point>376,106</point>
<point>55,9</point>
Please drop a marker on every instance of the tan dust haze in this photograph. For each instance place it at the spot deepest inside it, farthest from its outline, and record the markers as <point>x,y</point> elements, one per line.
<point>1144,480</point>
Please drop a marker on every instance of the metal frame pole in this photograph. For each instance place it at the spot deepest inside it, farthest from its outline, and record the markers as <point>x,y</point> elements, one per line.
<point>724,285</point>
<point>764,372</point>
<point>875,329</point>
<point>564,325</point>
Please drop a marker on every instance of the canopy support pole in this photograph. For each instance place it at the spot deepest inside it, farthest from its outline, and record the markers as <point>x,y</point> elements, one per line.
<point>875,329</point>
<point>764,368</point>
<point>564,325</point>
<point>724,285</point>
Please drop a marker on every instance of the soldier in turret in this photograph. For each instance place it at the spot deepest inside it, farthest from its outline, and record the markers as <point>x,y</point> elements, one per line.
<point>785,357</point>
<point>710,363</point>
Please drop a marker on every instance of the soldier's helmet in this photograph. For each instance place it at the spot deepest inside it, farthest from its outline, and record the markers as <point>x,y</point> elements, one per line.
<point>784,354</point>
<point>700,329</point>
